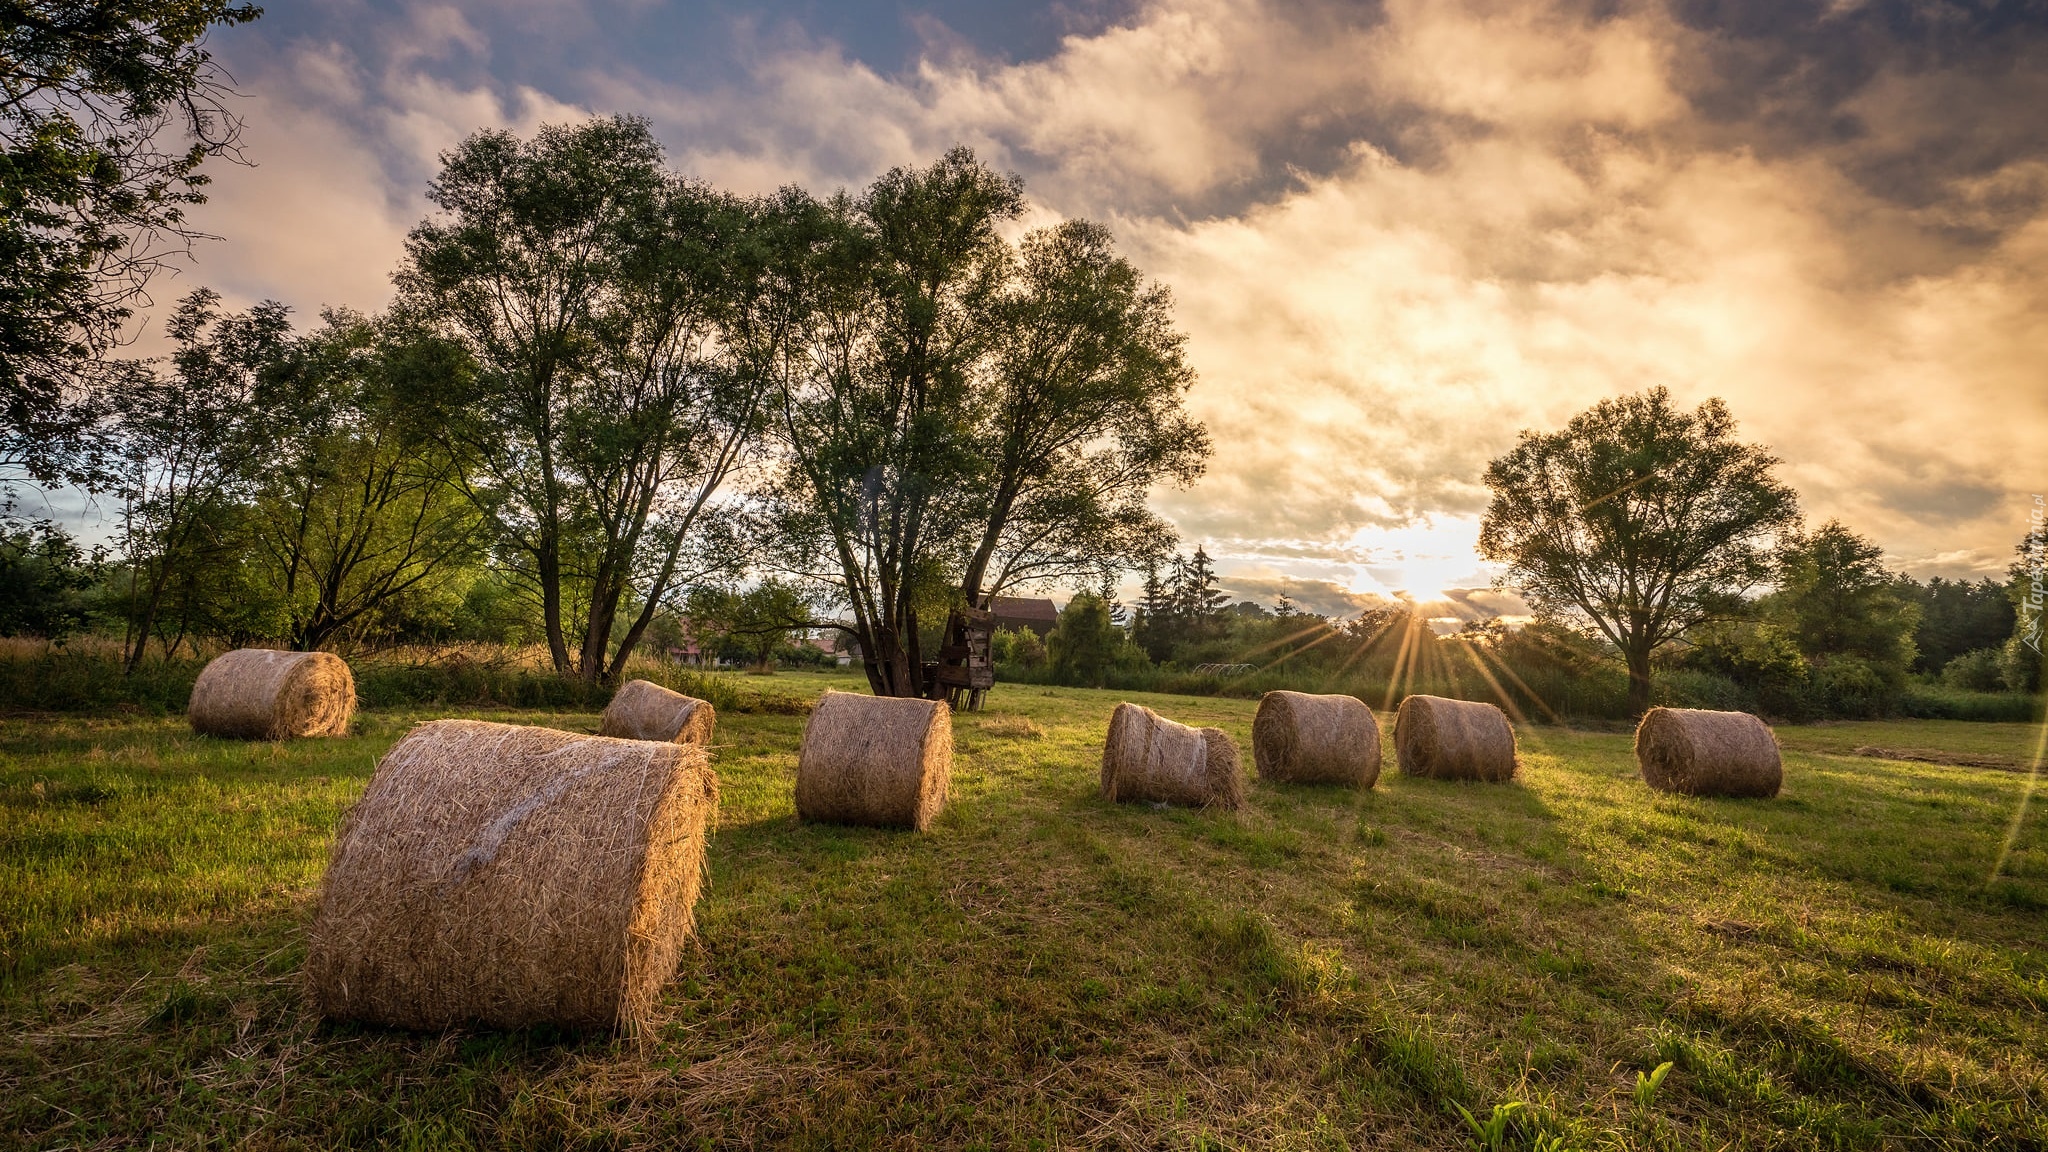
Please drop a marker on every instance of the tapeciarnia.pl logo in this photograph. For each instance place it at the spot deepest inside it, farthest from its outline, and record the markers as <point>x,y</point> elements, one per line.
<point>2037,568</point>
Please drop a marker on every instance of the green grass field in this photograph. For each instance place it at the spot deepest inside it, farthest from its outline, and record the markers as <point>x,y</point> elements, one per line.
<point>1837,968</point>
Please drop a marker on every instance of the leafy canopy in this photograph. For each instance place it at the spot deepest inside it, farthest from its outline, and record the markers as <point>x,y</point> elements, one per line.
<point>1637,519</point>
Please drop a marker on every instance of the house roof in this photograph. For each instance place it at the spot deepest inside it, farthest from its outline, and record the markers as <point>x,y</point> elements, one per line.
<point>1032,608</point>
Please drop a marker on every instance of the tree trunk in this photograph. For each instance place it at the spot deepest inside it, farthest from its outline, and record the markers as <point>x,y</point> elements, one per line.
<point>1638,680</point>
<point>551,606</point>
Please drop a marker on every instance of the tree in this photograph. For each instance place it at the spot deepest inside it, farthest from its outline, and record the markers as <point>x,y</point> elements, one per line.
<point>959,416</point>
<point>1638,519</point>
<point>757,620</point>
<point>1086,643</point>
<point>1154,629</point>
<point>356,504</point>
<point>1837,599</point>
<point>874,391</point>
<point>43,573</point>
<point>1844,612</point>
<point>2020,657</point>
<point>107,110</point>
<point>1085,380</point>
<point>188,438</point>
<point>589,284</point>
<point>1957,616</point>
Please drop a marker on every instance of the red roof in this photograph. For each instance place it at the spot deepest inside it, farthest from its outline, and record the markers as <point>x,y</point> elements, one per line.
<point>1032,608</point>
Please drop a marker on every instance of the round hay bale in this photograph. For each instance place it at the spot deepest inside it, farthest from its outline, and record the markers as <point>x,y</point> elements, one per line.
<point>1454,740</point>
<point>877,760</point>
<point>643,710</point>
<point>1702,753</point>
<point>512,876</point>
<point>1149,758</point>
<point>1301,738</point>
<point>258,694</point>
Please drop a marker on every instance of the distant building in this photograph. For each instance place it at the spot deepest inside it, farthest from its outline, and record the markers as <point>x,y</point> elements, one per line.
<point>1021,613</point>
<point>690,652</point>
<point>841,646</point>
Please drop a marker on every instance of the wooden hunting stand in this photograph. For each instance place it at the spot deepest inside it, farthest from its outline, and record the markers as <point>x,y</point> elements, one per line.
<point>966,667</point>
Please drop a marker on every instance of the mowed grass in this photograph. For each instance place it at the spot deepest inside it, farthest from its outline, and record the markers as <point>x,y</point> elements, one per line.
<point>1837,968</point>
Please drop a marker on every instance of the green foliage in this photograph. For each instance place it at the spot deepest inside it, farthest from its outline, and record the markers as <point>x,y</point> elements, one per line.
<point>358,518</point>
<point>2019,666</point>
<point>993,412</point>
<point>1182,609</point>
<point>191,440</point>
<point>753,623</point>
<point>1086,644</point>
<point>1956,618</point>
<point>2020,661</point>
<point>1834,639</point>
<point>1019,648</point>
<point>1979,670</point>
<point>1944,703</point>
<point>88,678</point>
<point>1846,614</point>
<point>598,296</point>
<point>43,578</point>
<point>1648,1083</point>
<point>1637,519</point>
<point>1491,1134</point>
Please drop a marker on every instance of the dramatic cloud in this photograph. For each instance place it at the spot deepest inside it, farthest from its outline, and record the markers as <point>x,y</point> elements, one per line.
<point>1398,233</point>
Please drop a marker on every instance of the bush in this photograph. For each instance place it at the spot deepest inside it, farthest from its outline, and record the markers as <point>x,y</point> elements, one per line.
<point>1018,648</point>
<point>2019,665</point>
<point>88,677</point>
<point>1692,688</point>
<point>1930,702</point>
<point>1975,671</point>
<point>1851,686</point>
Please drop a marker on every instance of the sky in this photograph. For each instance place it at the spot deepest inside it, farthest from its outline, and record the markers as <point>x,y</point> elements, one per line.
<point>1397,233</point>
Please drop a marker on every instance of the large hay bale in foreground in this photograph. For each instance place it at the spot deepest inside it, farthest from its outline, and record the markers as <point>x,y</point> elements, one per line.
<point>1454,739</point>
<point>258,694</point>
<point>1149,758</point>
<point>512,876</point>
<point>643,710</point>
<point>876,760</point>
<point>1703,753</point>
<point>1308,739</point>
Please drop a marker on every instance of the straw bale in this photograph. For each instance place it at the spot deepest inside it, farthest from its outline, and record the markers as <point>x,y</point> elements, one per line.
<point>512,876</point>
<point>1149,758</point>
<point>1454,740</point>
<point>1703,753</point>
<point>1308,739</point>
<point>877,760</point>
<point>258,694</point>
<point>643,710</point>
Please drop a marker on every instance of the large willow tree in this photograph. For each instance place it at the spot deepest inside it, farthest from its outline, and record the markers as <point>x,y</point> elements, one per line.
<point>959,414</point>
<point>598,294</point>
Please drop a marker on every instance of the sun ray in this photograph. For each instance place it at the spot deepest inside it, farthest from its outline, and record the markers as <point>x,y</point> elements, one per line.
<point>1509,672</point>
<point>2019,814</point>
<point>1400,663</point>
<point>1506,701</point>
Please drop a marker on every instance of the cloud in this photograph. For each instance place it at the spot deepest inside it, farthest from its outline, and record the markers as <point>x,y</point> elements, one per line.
<point>1398,233</point>
<point>342,151</point>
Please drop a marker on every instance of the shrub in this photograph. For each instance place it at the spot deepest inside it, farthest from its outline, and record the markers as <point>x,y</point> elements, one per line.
<point>2019,665</point>
<point>1976,671</point>
<point>1929,702</point>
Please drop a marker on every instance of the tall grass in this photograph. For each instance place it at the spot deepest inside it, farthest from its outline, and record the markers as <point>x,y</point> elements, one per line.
<point>87,676</point>
<point>1544,694</point>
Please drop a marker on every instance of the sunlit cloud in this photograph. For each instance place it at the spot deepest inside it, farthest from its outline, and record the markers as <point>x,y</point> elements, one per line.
<point>1397,235</point>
